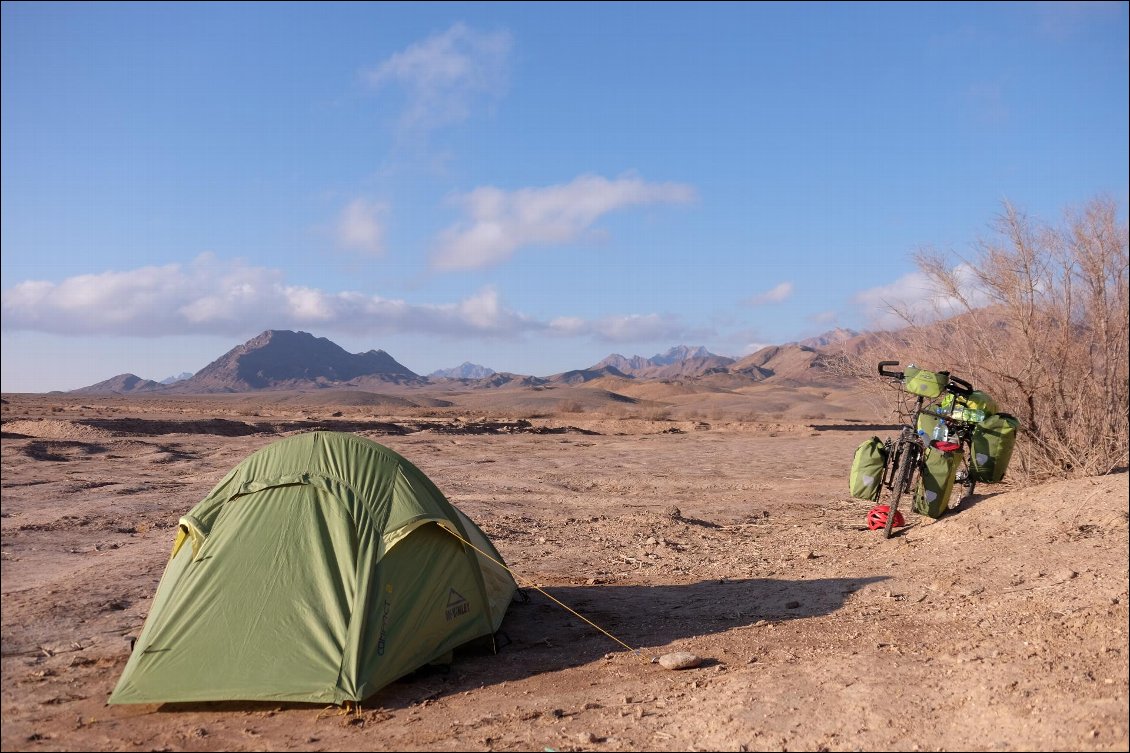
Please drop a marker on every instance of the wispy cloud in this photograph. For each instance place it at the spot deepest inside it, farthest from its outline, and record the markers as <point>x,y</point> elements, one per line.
<point>447,75</point>
<point>500,222</point>
<point>622,329</point>
<point>777,294</point>
<point>824,317</point>
<point>361,226</point>
<point>915,298</point>
<point>1064,20</point>
<point>231,298</point>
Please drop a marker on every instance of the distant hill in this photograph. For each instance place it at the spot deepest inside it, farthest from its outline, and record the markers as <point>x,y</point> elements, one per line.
<point>506,379</point>
<point>178,378</point>
<point>681,353</point>
<point>465,370</point>
<point>832,337</point>
<point>580,376</point>
<point>283,359</point>
<point>792,363</point>
<point>122,384</point>
<point>625,365</point>
<point>680,362</point>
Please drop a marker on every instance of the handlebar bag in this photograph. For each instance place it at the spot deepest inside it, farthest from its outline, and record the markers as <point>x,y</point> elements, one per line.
<point>867,469</point>
<point>932,496</point>
<point>993,440</point>
<point>925,383</point>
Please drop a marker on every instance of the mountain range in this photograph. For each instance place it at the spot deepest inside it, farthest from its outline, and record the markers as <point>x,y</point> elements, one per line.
<point>288,360</point>
<point>465,370</point>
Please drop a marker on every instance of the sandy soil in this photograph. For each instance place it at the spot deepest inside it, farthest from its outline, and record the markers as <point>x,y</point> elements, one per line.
<point>1002,626</point>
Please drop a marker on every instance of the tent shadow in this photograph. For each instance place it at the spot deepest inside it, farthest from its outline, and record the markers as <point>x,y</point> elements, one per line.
<point>544,637</point>
<point>541,636</point>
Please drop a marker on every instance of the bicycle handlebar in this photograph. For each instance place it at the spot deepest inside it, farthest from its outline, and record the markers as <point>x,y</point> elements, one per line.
<point>955,385</point>
<point>959,386</point>
<point>891,374</point>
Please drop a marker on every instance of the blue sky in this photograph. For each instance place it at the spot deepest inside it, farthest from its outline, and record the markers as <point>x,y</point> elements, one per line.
<point>527,186</point>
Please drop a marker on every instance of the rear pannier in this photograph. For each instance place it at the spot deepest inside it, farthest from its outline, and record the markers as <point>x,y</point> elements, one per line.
<point>993,440</point>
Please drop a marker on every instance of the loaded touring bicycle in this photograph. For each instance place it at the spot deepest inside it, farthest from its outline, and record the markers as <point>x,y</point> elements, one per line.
<point>951,436</point>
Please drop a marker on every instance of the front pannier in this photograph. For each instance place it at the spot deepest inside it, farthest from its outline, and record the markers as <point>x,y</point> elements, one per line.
<point>938,471</point>
<point>867,468</point>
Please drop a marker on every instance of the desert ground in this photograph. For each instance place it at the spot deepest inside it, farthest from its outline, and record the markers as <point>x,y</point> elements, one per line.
<point>678,521</point>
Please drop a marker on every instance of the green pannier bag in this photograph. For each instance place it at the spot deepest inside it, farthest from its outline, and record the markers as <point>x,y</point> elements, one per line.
<point>925,383</point>
<point>993,440</point>
<point>867,469</point>
<point>938,471</point>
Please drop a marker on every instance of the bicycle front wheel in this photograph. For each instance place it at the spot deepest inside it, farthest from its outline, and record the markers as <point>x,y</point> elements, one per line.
<point>904,476</point>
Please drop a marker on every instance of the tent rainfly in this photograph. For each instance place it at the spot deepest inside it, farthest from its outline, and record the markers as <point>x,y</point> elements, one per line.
<point>320,569</point>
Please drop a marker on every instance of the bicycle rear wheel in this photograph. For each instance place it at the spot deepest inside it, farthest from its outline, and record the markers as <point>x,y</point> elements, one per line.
<point>904,476</point>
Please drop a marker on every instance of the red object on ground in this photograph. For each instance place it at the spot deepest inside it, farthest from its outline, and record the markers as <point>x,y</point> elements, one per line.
<point>877,517</point>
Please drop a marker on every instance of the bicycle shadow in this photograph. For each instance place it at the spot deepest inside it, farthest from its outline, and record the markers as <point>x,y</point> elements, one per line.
<point>967,504</point>
<point>972,501</point>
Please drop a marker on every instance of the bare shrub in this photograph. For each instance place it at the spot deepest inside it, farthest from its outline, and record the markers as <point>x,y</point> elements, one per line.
<point>1038,318</point>
<point>570,406</point>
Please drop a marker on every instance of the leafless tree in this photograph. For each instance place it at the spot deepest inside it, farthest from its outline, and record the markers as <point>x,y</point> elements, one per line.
<point>1038,317</point>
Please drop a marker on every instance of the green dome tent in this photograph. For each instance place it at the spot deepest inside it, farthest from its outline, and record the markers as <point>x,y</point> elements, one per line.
<point>320,569</point>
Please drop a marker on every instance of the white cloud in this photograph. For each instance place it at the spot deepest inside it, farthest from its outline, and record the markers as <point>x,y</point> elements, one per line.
<point>917,298</point>
<point>824,317</point>
<point>360,226</point>
<point>500,222</point>
<point>622,328</point>
<point>776,295</point>
<point>210,296</point>
<point>753,347</point>
<point>447,74</point>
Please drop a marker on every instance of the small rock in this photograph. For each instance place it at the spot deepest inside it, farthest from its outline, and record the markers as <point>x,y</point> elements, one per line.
<point>792,605</point>
<point>679,660</point>
<point>674,513</point>
<point>586,738</point>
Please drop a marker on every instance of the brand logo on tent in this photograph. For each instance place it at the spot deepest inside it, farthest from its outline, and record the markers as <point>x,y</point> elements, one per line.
<point>457,606</point>
<point>386,607</point>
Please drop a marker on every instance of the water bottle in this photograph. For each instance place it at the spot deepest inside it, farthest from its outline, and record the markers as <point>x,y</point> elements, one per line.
<point>939,432</point>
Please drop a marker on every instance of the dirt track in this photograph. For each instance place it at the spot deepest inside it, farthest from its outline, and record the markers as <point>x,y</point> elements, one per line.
<point>1000,627</point>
